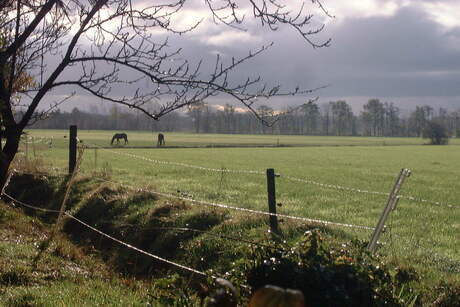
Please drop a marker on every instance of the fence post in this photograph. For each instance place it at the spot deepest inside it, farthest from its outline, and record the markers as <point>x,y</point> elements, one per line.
<point>72,148</point>
<point>27,148</point>
<point>391,205</point>
<point>33,147</point>
<point>272,200</point>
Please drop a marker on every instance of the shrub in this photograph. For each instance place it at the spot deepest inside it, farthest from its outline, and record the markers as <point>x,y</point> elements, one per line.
<point>327,276</point>
<point>437,133</point>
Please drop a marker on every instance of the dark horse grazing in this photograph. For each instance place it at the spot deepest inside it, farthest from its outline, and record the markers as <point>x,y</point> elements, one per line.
<point>161,139</point>
<point>118,136</point>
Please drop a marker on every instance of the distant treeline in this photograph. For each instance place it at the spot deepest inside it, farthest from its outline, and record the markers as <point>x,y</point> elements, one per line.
<point>333,118</point>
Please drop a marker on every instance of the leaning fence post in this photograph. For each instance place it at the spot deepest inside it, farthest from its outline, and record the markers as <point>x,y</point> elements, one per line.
<point>72,148</point>
<point>391,205</point>
<point>272,200</point>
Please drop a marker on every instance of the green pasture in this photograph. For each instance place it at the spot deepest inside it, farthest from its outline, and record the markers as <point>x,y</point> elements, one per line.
<point>418,231</point>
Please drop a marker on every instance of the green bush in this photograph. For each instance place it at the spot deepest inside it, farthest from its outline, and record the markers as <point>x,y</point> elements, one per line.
<point>437,133</point>
<point>328,276</point>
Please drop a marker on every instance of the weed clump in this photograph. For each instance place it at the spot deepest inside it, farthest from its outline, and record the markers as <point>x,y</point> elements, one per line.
<point>23,300</point>
<point>32,189</point>
<point>15,277</point>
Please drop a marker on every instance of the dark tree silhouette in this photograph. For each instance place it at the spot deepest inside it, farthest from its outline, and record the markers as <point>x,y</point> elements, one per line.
<point>436,132</point>
<point>103,45</point>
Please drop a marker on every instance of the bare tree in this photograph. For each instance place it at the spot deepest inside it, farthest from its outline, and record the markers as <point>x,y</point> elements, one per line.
<point>100,46</point>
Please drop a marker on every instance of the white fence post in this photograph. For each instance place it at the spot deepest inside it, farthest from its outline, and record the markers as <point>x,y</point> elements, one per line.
<point>391,205</point>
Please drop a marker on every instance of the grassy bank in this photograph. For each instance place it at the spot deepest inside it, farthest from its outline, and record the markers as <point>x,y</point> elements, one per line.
<point>66,275</point>
<point>217,242</point>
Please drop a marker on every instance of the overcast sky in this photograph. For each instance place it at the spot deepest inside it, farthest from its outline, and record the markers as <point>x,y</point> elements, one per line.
<point>406,52</point>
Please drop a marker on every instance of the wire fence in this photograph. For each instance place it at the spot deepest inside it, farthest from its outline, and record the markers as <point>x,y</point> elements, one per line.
<point>246,210</point>
<point>218,170</point>
<point>436,259</point>
<point>224,170</point>
<point>281,175</point>
<point>426,250</point>
<point>194,201</point>
<point>183,229</point>
<point>175,264</point>
<point>181,266</point>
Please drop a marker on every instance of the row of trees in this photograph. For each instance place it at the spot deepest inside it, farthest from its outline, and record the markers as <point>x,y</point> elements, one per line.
<point>334,118</point>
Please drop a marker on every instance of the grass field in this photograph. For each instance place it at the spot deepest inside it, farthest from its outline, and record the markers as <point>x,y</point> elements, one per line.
<point>422,232</point>
<point>145,138</point>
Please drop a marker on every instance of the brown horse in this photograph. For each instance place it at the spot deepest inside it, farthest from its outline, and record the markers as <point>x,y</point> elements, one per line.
<point>161,140</point>
<point>118,136</point>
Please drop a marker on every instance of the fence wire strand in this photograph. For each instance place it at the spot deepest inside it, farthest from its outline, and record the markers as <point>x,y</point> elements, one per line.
<point>218,170</point>
<point>37,140</point>
<point>14,200</point>
<point>431,202</point>
<point>224,206</point>
<point>333,186</point>
<point>186,268</point>
<point>290,178</point>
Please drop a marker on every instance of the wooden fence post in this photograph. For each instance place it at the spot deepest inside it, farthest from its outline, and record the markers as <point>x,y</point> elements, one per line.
<point>27,148</point>
<point>272,200</point>
<point>391,205</point>
<point>72,148</point>
<point>33,147</point>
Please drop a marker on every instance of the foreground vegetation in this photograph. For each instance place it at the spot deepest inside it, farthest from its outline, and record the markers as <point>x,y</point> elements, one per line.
<point>66,275</point>
<point>326,265</point>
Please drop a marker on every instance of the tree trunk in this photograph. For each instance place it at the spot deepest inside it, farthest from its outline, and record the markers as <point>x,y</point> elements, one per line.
<point>12,136</point>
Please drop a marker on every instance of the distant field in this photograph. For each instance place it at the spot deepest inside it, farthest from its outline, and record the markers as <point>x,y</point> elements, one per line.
<point>425,231</point>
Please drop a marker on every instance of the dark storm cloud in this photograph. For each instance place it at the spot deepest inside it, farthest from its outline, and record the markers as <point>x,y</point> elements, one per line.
<point>406,54</point>
<point>403,55</point>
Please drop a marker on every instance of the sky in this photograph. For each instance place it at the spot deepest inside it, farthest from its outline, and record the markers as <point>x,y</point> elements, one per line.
<point>405,52</point>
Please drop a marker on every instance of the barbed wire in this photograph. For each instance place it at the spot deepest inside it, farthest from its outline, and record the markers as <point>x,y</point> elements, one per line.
<point>37,140</point>
<point>219,170</point>
<point>224,206</point>
<point>14,200</point>
<point>290,178</point>
<point>241,171</point>
<point>333,186</point>
<point>342,188</point>
<point>186,268</point>
<point>431,202</point>
<point>322,222</point>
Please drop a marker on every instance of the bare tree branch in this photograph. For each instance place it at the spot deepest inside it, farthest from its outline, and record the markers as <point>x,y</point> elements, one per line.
<point>116,50</point>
